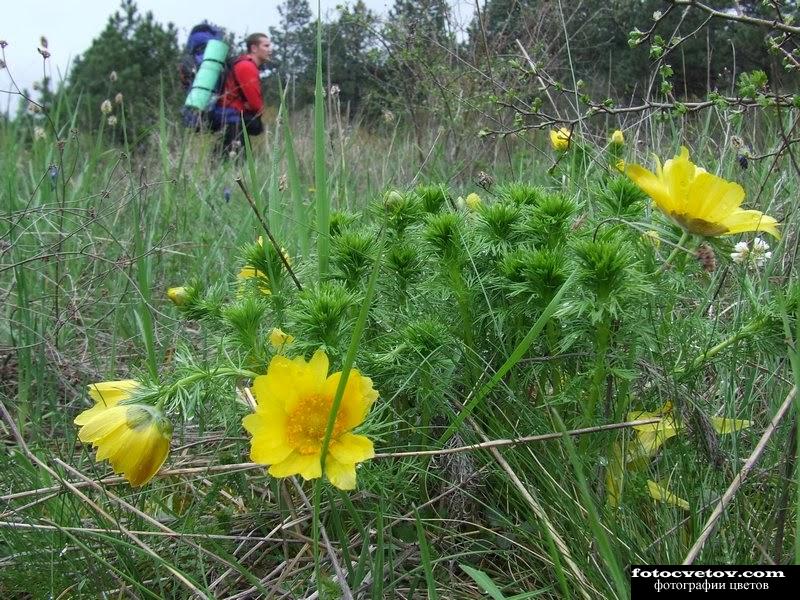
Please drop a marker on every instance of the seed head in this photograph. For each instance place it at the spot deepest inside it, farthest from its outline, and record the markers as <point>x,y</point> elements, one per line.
<point>112,121</point>
<point>105,107</point>
<point>706,258</point>
<point>118,98</point>
<point>39,133</point>
<point>484,180</point>
<point>44,52</point>
<point>43,42</point>
<point>112,76</point>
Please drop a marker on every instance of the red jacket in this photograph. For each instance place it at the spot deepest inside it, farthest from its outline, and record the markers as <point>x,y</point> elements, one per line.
<point>242,89</point>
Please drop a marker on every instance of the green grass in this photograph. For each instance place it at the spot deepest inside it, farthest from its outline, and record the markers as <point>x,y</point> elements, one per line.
<point>452,316</point>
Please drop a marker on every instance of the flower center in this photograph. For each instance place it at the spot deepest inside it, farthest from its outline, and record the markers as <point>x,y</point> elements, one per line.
<point>699,226</point>
<point>306,424</point>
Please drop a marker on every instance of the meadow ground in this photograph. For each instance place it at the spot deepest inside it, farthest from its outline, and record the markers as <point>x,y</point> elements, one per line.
<point>559,298</point>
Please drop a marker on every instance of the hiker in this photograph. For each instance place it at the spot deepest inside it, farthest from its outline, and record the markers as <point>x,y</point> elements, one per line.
<point>241,98</point>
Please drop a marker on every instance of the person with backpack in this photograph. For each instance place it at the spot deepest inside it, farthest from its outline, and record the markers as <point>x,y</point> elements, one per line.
<point>241,103</point>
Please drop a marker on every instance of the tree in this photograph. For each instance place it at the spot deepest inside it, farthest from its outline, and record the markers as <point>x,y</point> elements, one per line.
<point>295,49</point>
<point>353,54</point>
<point>134,56</point>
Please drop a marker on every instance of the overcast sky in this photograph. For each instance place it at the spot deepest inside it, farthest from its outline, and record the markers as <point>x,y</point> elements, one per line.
<point>71,25</point>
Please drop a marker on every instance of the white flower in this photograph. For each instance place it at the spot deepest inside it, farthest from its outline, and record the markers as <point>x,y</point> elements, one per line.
<point>39,133</point>
<point>740,252</point>
<point>112,121</point>
<point>112,76</point>
<point>756,256</point>
<point>105,107</point>
<point>760,252</point>
<point>118,98</point>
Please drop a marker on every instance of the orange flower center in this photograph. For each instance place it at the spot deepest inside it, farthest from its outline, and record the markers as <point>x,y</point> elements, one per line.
<point>307,423</point>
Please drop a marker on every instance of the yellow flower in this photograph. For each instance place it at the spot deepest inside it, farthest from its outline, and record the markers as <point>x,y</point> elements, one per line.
<point>617,138</point>
<point>650,437</point>
<point>473,201</point>
<point>178,295</point>
<point>662,494</point>
<point>279,339</point>
<point>105,395</point>
<point>253,273</point>
<point>723,425</point>
<point>294,401</point>
<point>698,201</point>
<point>134,438</point>
<point>560,139</point>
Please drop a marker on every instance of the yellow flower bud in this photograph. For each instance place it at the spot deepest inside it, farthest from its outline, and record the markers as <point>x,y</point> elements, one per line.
<point>178,295</point>
<point>279,339</point>
<point>560,139</point>
<point>473,201</point>
<point>617,138</point>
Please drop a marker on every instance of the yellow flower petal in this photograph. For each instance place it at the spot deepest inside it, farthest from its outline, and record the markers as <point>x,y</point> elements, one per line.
<point>278,385</point>
<point>653,435</point>
<point>652,186</point>
<point>143,456</point>
<point>744,221</point>
<point>723,425</point>
<point>110,392</point>
<point>357,399</point>
<point>269,437</point>
<point>662,494</point>
<point>252,273</point>
<point>103,424</point>
<point>106,394</point>
<point>305,465</point>
<point>341,475</point>
<point>318,366</point>
<point>352,448</point>
<point>113,442</point>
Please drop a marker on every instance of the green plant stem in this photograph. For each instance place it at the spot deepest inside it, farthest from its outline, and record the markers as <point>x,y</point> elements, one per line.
<point>552,346</point>
<point>602,342</point>
<point>678,248</point>
<point>743,333</point>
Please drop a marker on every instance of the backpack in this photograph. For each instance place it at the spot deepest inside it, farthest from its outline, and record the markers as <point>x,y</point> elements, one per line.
<point>193,51</point>
<point>189,64</point>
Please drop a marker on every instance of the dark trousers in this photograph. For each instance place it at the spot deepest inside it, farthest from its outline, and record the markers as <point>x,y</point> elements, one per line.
<point>234,132</point>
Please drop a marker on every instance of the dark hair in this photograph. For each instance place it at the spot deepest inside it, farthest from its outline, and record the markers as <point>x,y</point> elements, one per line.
<point>253,39</point>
